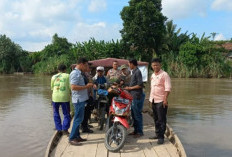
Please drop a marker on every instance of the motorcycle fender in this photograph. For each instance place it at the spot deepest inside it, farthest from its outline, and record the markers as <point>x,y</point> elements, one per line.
<point>123,121</point>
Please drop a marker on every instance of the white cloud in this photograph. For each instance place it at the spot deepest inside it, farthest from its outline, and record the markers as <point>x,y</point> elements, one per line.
<point>100,31</point>
<point>34,46</point>
<point>32,23</point>
<point>178,9</point>
<point>219,37</point>
<point>222,5</point>
<point>26,21</point>
<point>97,5</point>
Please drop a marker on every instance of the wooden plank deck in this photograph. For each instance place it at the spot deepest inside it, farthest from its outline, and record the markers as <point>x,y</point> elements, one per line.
<point>134,147</point>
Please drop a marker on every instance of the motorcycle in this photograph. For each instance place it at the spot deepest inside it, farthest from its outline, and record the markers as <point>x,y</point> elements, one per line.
<point>118,121</point>
<point>102,104</point>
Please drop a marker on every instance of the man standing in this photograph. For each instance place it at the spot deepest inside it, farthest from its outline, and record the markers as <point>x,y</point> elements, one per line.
<point>160,89</point>
<point>135,89</point>
<point>89,104</point>
<point>61,96</point>
<point>79,97</point>
<point>114,73</point>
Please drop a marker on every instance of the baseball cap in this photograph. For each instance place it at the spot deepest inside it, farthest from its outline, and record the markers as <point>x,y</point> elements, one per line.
<point>100,68</point>
<point>123,67</point>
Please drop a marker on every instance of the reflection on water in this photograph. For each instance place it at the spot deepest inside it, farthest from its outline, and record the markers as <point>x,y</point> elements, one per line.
<point>200,113</point>
<point>25,115</point>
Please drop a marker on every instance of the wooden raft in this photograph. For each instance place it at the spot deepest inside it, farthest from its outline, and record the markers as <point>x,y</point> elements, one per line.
<point>134,147</point>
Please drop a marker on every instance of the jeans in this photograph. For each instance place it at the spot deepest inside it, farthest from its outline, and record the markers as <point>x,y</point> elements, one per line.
<point>87,114</point>
<point>160,119</point>
<point>78,118</point>
<point>56,115</point>
<point>137,108</point>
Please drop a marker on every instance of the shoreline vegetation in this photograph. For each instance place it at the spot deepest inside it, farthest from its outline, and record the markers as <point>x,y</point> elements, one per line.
<point>204,59</point>
<point>146,33</point>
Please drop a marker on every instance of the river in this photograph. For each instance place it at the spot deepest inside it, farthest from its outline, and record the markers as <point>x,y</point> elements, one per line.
<point>200,113</point>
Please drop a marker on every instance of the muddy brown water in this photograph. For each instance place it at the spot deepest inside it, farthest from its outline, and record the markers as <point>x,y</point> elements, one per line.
<point>200,112</point>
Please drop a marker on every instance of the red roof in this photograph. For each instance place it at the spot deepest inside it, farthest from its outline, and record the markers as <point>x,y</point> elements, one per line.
<point>108,62</point>
<point>227,46</point>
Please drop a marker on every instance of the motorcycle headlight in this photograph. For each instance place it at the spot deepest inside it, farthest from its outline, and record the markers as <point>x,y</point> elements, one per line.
<point>118,111</point>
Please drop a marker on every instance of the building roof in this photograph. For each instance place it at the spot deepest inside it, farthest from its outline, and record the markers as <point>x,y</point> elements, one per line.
<point>227,46</point>
<point>108,62</point>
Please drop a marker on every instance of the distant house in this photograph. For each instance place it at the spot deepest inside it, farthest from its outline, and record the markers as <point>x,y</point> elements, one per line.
<point>228,47</point>
<point>108,62</point>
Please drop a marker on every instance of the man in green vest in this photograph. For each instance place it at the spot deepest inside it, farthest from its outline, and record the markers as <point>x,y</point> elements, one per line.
<point>61,96</point>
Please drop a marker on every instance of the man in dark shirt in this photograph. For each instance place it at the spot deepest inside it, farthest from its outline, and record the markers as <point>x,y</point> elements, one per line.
<point>135,89</point>
<point>89,106</point>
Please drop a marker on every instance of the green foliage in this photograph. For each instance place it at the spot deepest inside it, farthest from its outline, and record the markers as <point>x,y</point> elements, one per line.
<point>184,55</point>
<point>25,62</point>
<point>189,54</point>
<point>58,47</point>
<point>35,57</point>
<point>59,51</point>
<point>143,27</point>
<point>49,66</point>
<point>199,58</point>
<point>12,57</point>
<point>173,39</point>
<point>98,49</point>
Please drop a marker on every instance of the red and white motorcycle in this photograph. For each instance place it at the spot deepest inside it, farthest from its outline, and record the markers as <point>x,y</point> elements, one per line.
<point>118,121</point>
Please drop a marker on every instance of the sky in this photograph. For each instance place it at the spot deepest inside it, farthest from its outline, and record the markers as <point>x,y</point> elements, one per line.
<point>32,23</point>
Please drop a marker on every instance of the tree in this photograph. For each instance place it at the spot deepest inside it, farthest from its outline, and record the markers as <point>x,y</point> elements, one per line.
<point>173,39</point>
<point>143,27</point>
<point>9,55</point>
<point>59,46</point>
<point>213,35</point>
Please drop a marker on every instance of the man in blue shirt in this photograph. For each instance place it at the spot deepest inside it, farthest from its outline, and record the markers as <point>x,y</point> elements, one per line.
<point>79,97</point>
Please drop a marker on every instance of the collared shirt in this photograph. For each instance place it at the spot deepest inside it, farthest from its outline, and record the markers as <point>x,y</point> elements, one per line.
<point>76,78</point>
<point>160,83</point>
<point>136,79</point>
<point>114,74</point>
<point>60,87</point>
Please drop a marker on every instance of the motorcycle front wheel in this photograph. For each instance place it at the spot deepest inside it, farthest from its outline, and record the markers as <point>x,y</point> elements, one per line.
<point>115,138</point>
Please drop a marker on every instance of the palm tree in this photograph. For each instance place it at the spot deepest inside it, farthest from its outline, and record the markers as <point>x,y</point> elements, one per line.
<point>173,39</point>
<point>213,35</point>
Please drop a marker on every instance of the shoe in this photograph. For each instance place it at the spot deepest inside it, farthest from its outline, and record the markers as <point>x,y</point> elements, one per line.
<point>153,137</point>
<point>138,135</point>
<point>87,130</point>
<point>160,141</point>
<point>59,132</point>
<point>90,126</point>
<point>101,128</point>
<point>65,132</point>
<point>75,142</point>
<point>132,133</point>
<point>81,139</point>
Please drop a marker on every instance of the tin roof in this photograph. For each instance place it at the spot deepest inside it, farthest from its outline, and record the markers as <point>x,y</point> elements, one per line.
<point>108,62</point>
